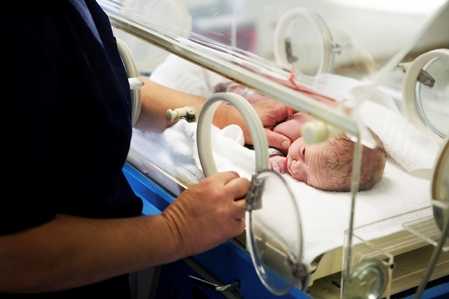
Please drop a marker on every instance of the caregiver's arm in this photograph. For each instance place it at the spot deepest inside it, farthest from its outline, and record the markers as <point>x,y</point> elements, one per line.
<point>156,99</point>
<point>70,251</point>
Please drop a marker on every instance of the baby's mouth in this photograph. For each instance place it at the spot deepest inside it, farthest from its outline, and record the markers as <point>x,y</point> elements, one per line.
<point>296,168</point>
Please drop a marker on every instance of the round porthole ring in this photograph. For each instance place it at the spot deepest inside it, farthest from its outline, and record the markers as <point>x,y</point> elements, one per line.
<point>327,61</point>
<point>204,143</point>
<point>252,120</point>
<point>412,105</point>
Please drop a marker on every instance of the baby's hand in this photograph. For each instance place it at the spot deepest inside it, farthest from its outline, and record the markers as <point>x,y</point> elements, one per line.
<point>278,164</point>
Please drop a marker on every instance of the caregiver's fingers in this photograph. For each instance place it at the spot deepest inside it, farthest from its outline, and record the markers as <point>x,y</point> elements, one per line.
<point>277,140</point>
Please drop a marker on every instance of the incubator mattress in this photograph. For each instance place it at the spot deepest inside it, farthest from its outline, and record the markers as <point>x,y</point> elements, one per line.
<point>324,214</point>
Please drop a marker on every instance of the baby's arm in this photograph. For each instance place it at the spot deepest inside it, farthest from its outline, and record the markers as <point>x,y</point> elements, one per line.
<point>292,127</point>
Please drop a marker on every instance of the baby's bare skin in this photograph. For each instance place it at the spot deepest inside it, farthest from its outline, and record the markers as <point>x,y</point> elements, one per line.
<point>293,126</point>
<point>326,166</point>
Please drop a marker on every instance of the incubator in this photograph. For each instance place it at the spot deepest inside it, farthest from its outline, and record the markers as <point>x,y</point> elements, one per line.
<point>375,73</point>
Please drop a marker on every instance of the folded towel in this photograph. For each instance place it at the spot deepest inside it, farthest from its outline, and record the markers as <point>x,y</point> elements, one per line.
<point>414,150</point>
<point>171,150</point>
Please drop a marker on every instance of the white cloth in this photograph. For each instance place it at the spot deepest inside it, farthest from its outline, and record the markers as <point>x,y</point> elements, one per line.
<point>172,151</point>
<point>412,148</point>
<point>408,146</point>
<point>179,156</point>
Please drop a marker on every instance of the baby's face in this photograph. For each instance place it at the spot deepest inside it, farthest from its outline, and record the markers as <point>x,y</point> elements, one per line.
<point>307,163</point>
<point>313,164</point>
<point>304,162</point>
<point>328,165</point>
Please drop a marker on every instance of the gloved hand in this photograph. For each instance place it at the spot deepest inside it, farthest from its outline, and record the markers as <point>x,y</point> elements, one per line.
<point>208,213</point>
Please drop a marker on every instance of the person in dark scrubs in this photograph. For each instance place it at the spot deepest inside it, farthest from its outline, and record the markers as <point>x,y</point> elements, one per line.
<point>70,225</point>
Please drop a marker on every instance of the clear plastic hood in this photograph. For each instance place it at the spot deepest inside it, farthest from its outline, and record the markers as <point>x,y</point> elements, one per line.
<point>353,38</point>
<point>344,49</point>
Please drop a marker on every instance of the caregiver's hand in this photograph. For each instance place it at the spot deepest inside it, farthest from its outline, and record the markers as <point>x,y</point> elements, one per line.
<point>270,112</point>
<point>208,213</point>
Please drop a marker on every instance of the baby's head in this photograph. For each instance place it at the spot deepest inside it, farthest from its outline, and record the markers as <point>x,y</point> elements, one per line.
<point>328,165</point>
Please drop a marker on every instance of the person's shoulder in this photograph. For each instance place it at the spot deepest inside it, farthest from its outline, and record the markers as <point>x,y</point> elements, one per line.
<point>97,11</point>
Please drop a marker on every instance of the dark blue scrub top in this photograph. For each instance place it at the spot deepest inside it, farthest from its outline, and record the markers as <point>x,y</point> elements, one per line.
<point>66,124</point>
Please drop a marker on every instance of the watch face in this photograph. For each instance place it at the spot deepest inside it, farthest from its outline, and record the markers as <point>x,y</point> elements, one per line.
<point>432,95</point>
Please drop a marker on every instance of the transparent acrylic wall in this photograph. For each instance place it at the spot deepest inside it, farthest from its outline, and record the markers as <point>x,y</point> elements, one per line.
<point>367,33</point>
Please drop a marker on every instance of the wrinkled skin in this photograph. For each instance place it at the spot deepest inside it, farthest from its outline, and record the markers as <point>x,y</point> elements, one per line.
<point>215,207</point>
<point>327,165</point>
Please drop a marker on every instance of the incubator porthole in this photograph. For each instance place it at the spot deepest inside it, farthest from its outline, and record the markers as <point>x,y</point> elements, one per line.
<point>275,248</point>
<point>204,136</point>
<point>426,92</point>
<point>303,43</point>
<point>433,99</point>
<point>369,280</point>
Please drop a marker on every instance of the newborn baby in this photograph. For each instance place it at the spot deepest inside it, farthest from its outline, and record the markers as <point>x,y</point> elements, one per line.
<point>325,166</point>
<point>328,165</point>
